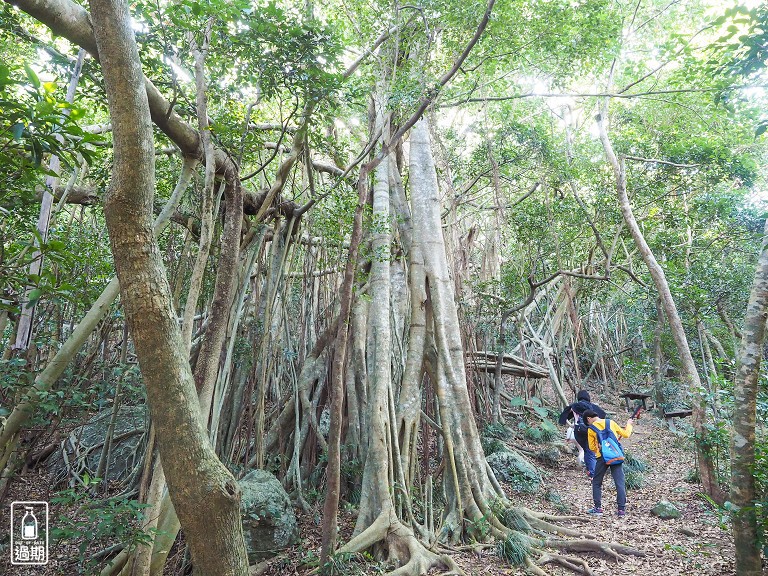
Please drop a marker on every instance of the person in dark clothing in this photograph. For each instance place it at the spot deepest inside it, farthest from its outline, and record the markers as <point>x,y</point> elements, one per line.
<point>574,411</point>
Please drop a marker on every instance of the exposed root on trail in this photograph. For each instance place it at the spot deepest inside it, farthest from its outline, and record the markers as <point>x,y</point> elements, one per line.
<point>612,549</point>
<point>578,565</point>
<point>545,523</point>
<point>525,541</point>
<point>537,556</point>
<point>549,517</point>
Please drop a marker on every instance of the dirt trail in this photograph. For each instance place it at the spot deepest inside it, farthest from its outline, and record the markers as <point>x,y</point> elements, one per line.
<point>692,545</point>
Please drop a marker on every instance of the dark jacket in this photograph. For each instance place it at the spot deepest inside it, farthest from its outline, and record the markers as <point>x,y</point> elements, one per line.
<point>579,407</point>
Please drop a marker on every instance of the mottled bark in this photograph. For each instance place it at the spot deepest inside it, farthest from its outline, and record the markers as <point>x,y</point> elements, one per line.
<point>745,387</point>
<point>205,495</point>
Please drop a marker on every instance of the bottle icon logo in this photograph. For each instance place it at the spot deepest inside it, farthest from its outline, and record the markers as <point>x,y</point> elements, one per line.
<point>29,524</point>
<point>29,533</point>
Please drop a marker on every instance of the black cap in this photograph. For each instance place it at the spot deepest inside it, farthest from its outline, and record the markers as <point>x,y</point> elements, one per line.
<point>583,395</point>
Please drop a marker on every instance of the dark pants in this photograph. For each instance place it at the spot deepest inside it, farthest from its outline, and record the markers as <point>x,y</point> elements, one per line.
<point>617,471</point>
<point>589,456</point>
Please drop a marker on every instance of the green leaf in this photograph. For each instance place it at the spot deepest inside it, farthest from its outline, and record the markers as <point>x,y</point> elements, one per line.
<point>57,245</point>
<point>517,401</point>
<point>541,411</point>
<point>17,130</point>
<point>32,76</point>
<point>34,296</point>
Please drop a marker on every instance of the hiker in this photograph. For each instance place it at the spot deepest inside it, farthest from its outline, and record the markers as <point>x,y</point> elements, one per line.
<point>574,411</point>
<point>615,462</point>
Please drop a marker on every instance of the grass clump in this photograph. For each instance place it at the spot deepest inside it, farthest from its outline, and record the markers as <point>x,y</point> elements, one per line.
<point>514,549</point>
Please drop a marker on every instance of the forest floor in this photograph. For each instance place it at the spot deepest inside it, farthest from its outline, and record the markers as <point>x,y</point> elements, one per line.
<point>692,544</point>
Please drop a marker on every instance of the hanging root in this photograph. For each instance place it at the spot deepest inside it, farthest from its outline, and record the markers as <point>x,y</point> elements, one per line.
<point>404,549</point>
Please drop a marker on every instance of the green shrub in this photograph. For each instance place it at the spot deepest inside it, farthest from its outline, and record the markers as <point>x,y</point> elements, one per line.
<point>492,445</point>
<point>513,519</point>
<point>549,455</point>
<point>351,564</point>
<point>556,500</point>
<point>544,432</point>
<point>634,464</point>
<point>497,430</point>
<point>96,524</point>
<point>633,479</point>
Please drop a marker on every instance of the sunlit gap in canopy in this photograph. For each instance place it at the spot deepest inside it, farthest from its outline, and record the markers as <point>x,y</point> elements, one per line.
<point>43,58</point>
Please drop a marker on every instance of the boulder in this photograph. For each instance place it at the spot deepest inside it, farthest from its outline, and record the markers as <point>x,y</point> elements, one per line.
<point>269,522</point>
<point>83,446</point>
<point>516,470</point>
<point>666,510</point>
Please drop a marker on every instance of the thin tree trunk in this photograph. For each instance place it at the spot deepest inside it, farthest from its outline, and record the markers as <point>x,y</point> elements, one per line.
<point>743,494</point>
<point>336,393</point>
<point>208,199</point>
<point>206,496</point>
<point>658,354</point>
<point>689,371</point>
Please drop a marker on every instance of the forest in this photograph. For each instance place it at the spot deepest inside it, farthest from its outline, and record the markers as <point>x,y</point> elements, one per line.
<point>304,288</point>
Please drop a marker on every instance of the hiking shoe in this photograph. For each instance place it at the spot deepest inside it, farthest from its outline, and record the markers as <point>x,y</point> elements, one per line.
<point>621,513</point>
<point>595,511</point>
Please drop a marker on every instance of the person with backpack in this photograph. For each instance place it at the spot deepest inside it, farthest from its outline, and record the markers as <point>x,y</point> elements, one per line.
<point>574,412</point>
<point>603,438</point>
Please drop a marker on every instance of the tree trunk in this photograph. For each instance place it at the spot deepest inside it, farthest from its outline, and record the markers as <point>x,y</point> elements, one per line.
<point>658,355</point>
<point>469,484</point>
<point>745,387</point>
<point>205,495</point>
<point>688,367</point>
